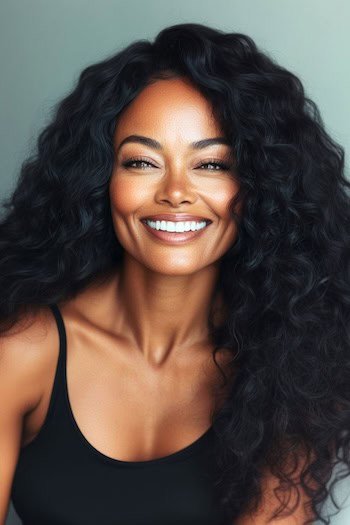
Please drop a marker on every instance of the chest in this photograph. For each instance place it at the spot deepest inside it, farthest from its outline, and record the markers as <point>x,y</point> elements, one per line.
<point>126,410</point>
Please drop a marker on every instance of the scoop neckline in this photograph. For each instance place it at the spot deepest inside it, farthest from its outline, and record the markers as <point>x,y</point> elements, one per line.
<point>178,455</point>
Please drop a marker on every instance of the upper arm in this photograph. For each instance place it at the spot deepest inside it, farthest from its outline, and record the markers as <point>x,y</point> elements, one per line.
<point>21,365</point>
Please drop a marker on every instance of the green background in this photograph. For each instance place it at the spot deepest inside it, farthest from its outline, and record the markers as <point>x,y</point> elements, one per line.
<point>45,44</point>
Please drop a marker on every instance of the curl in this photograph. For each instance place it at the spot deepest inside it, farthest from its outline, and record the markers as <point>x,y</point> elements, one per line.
<point>285,281</point>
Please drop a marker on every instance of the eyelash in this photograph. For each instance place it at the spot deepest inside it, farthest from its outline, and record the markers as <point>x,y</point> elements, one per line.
<point>222,166</point>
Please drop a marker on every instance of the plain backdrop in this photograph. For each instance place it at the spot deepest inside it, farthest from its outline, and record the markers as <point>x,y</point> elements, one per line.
<point>44,45</point>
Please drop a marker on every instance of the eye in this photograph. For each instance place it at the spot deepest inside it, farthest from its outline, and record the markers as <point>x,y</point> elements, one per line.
<point>135,163</point>
<point>218,165</point>
<point>141,162</point>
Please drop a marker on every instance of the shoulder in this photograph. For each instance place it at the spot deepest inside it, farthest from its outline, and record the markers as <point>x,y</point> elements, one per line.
<point>28,353</point>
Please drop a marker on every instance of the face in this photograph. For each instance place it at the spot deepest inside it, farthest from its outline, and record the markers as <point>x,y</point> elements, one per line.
<point>166,174</point>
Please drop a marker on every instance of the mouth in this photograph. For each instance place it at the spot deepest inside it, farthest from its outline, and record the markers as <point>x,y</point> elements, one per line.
<point>176,231</point>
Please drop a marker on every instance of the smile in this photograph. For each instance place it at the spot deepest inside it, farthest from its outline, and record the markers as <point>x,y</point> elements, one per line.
<point>177,226</point>
<point>175,232</point>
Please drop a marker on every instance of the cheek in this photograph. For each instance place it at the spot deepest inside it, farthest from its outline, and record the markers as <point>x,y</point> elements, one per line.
<point>221,197</point>
<point>126,195</point>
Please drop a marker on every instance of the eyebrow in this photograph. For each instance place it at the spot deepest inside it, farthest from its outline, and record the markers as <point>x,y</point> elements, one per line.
<point>146,141</point>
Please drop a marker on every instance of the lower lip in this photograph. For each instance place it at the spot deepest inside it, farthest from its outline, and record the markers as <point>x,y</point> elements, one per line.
<point>175,238</point>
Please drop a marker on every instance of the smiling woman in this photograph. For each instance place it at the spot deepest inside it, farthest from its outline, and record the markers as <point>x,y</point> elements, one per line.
<point>173,174</point>
<point>174,311</point>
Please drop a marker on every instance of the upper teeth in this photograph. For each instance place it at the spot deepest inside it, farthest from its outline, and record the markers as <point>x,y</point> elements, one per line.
<point>176,226</point>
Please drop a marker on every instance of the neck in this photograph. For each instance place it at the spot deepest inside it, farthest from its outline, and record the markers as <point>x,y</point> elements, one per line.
<point>160,314</point>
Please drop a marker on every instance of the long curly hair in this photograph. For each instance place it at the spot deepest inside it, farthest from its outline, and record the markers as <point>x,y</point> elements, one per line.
<point>285,280</point>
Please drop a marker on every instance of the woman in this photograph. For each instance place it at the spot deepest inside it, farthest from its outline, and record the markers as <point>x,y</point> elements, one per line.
<point>175,296</point>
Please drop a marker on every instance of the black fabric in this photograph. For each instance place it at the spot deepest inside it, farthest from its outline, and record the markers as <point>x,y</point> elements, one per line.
<point>61,479</point>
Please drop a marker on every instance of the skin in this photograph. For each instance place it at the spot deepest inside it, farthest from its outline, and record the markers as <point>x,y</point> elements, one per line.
<point>159,279</point>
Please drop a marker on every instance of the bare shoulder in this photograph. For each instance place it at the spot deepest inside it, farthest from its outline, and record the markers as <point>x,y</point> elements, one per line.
<point>28,353</point>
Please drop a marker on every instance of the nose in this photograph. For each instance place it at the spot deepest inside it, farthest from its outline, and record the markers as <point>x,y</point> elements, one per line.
<point>175,188</point>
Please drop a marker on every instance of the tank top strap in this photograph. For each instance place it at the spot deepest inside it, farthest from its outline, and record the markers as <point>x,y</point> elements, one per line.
<point>59,386</point>
<point>62,334</point>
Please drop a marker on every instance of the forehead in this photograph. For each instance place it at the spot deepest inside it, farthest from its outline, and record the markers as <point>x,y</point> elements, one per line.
<point>169,108</point>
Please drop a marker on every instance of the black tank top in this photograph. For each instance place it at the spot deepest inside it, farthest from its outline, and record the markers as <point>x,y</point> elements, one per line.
<point>61,479</point>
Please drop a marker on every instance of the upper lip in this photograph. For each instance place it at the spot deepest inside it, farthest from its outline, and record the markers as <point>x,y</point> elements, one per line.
<point>175,217</point>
